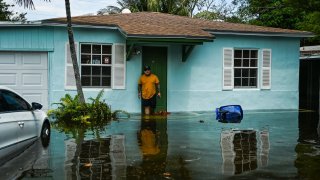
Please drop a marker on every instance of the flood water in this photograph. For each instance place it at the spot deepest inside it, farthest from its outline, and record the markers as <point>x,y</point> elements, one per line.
<point>265,145</point>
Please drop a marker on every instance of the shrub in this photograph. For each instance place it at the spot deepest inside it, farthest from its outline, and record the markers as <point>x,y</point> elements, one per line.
<point>71,112</point>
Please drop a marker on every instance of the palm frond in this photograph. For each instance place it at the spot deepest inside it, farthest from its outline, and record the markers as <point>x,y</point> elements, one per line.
<point>27,3</point>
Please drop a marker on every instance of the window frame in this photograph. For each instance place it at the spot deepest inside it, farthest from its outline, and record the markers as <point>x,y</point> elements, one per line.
<point>101,65</point>
<point>248,67</point>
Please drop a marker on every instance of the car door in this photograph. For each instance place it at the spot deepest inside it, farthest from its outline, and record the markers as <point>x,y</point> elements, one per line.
<point>24,117</point>
<point>8,130</point>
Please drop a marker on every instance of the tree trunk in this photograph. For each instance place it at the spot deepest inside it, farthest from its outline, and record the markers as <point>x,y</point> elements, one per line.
<point>73,53</point>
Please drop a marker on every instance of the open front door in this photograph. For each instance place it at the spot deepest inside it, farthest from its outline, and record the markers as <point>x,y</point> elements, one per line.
<point>156,58</point>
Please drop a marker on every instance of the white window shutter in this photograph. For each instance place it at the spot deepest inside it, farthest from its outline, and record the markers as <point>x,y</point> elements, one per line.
<point>119,66</point>
<point>266,69</point>
<point>70,81</point>
<point>227,77</point>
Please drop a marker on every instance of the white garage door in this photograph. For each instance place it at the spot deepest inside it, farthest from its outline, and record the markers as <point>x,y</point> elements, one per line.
<point>26,73</point>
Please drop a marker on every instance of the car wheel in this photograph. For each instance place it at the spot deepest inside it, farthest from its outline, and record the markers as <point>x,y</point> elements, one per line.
<point>45,134</point>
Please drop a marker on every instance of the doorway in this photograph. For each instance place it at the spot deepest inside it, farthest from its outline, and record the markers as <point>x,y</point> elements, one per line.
<point>156,58</point>
<point>309,83</point>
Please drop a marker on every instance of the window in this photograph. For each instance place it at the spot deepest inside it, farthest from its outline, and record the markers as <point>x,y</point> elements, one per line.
<point>96,65</point>
<point>13,102</point>
<point>3,105</point>
<point>245,68</point>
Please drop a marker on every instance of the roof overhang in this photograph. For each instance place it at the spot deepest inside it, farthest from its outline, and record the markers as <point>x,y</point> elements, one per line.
<point>267,34</point>
<point>310,58</point>
<point>187,42</point>
<point>83,25</point>
<point>38,23</point>
<point>146,39</point>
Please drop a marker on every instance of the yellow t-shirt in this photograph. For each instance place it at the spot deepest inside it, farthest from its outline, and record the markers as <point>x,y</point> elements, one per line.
<point>148,85</point>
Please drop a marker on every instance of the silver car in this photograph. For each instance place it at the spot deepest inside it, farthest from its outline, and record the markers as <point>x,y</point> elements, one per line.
<point>20,124</point>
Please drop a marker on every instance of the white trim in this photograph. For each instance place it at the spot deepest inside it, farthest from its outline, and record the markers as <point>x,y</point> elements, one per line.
<point>246,89</point>
<point>226,68</point>
<point>267,69</point>
<point>91,54</point>
<point>249,67</point>
<point>96,89</point>
<point>115,66</point>
<point>70,65</point>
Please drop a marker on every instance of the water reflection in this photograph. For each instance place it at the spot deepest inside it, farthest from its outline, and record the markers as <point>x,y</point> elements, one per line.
<point>102,158</point>
<point>105,158</point>
<point>239,150</point>
<point>32,162</point>
<point>153,143</point>
<point>141,149</point>
<point>309,127</point>
<point>264,147</point>
<point>308,147</point>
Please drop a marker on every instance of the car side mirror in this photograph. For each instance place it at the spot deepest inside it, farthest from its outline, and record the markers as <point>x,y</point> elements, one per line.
<point>36,106</point>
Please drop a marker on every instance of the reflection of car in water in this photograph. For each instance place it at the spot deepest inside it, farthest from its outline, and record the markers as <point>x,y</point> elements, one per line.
<point>32,162</point>
<point>20,124</point>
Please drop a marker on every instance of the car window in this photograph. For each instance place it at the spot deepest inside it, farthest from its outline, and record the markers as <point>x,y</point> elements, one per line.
<point>2,104</point>
<point>12,102</point>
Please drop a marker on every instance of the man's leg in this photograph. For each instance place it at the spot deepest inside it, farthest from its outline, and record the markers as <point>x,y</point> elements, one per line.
<point>153,103</point>
<point>147,110</point>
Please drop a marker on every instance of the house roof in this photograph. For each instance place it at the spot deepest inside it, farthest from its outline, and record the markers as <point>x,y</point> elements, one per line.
<point>160,25</point>
<point>310,52</point>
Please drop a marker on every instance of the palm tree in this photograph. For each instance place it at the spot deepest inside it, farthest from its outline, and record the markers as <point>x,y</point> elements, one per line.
<point>29,4</point>
<point>73,53</point>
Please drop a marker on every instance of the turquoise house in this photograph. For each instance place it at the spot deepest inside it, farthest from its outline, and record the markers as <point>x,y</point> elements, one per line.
<point>201,64</point>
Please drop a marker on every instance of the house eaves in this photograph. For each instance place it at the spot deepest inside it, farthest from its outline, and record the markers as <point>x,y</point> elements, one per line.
<point>303,34</point>
<point>142,38</point>
<point>107,26</point>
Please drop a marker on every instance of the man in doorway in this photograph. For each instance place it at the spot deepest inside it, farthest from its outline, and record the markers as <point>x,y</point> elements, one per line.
<point>148,86</point>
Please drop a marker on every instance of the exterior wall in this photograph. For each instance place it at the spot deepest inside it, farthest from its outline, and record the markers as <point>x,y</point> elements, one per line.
<point>196,85</point>
<point>118,99</point>
<point>26,39</point>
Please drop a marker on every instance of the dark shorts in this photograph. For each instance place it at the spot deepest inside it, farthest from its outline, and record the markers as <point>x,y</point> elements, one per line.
<point>152,102</point>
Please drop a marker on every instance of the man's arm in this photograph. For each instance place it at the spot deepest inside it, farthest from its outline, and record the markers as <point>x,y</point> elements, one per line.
<point>158,89</point>
<point>139,90</point>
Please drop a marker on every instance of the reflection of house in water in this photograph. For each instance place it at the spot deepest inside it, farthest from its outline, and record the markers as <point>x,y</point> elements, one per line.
<point>264,147</point>
<point>99,159</point>
<point>240,150</point>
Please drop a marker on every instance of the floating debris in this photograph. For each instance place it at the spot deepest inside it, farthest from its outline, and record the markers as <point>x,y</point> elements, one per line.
<point>190,160</point>
<point>87,165</point>
<point>119,114</point>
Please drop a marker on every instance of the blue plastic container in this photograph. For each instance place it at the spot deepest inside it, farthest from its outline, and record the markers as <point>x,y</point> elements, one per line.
<point>229,114</point>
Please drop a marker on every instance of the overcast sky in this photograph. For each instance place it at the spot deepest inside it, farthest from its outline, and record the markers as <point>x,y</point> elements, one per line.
<point>56,8</point>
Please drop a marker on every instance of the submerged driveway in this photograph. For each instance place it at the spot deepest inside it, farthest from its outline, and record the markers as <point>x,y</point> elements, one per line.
<point>180,146</point>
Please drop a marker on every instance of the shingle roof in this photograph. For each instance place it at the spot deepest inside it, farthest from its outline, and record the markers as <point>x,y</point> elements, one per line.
<point>155,24</point>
